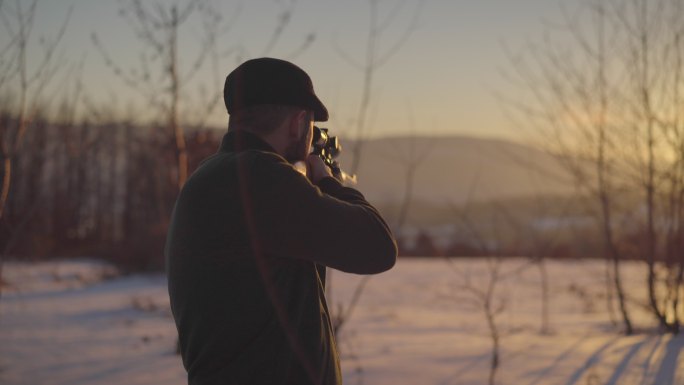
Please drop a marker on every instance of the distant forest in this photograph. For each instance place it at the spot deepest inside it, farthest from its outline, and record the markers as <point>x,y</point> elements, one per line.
<point>86,189</point>
<point>107,190</point>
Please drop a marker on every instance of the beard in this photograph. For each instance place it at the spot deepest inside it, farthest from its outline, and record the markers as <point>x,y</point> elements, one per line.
<point>298,150</point>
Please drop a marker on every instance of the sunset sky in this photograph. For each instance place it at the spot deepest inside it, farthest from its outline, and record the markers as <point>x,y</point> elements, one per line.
<point>447,73</point>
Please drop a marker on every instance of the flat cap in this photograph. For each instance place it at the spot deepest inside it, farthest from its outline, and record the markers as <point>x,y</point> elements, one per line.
<point>271,81</point>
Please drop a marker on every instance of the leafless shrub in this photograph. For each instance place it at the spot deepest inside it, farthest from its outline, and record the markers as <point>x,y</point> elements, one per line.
<point>375,58</point>
<point>604,95</point>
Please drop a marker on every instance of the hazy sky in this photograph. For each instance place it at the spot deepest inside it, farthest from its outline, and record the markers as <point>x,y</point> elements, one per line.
<point>445,74</point>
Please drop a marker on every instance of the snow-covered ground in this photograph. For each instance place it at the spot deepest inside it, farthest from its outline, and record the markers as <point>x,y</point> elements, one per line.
<point>77,322</point>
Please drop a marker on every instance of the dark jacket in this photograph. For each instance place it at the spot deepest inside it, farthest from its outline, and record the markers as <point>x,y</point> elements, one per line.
<point>246,252</point>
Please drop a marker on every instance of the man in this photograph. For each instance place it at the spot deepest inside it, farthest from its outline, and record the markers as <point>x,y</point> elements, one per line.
<point>251,236</point>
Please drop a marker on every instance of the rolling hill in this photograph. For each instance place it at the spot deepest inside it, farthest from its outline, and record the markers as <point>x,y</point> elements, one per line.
<point>454,170</point>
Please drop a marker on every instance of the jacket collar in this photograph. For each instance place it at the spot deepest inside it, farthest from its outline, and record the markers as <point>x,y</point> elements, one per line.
<point>240,140</point>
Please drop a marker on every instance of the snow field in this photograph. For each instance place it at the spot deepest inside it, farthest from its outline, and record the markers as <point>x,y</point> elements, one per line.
<point>77,322</point>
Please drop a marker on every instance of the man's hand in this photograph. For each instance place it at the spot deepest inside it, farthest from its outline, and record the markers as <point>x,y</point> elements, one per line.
<point>317,168</point>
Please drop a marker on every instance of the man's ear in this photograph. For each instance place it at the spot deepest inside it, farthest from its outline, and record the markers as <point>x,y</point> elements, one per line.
<point>295,122</point>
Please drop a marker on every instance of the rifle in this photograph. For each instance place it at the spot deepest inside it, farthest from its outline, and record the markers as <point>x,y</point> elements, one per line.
<point>328,148</point>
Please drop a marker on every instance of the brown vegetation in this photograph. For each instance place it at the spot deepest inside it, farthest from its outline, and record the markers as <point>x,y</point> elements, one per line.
<point>95,189</point>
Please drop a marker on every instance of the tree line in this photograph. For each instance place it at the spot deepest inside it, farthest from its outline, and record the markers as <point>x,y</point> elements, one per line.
<point>95,188</point>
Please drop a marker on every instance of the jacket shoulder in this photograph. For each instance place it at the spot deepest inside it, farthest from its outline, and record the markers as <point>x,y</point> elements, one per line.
<point>264,162</point>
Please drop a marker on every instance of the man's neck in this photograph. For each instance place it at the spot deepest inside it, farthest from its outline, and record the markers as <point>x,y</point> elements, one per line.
<point>272,139</point>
